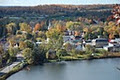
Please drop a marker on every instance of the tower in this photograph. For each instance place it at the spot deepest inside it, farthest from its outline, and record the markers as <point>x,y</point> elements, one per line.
<point>49,25</point>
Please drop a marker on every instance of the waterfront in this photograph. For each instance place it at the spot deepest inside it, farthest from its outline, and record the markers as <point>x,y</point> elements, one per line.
<point>101,69</point>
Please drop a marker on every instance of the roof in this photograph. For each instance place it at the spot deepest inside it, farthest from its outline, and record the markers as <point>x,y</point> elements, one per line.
<point>77,36</point>
<point>100,39</point>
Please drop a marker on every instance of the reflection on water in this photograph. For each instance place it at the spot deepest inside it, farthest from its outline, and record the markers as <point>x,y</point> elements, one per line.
<point>102,69</point>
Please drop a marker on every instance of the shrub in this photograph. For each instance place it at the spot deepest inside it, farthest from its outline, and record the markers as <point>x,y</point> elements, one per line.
<point>89,49</point>
<point>102,51</point>
<point>61,52</point>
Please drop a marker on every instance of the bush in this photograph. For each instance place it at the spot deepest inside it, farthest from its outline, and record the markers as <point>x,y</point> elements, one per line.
<point>102,51</point>
<point>89,49</point>
<point>62,52</point>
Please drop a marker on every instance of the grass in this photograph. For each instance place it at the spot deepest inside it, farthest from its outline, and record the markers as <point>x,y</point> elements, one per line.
<point>88,56</point>
<point>52,60</point>
<point>69,58</point>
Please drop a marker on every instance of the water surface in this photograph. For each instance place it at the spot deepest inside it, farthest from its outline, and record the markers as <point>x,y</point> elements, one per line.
<point>102,69</point>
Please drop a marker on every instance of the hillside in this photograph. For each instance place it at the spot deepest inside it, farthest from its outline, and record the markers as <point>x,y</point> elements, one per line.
<point>100,12</point>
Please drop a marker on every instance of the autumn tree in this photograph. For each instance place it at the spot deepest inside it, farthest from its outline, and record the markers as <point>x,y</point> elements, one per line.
<point>112,29</point>
<point>56,39</point>
<point>22,45</point>
<point>25,27</point>
<point>11,28</point>
<point>60,26</point>
<point>116,13</point>
<point>29,44</point>
<point>28,55</point>
<point>37,27</point>
<point>69,25</point>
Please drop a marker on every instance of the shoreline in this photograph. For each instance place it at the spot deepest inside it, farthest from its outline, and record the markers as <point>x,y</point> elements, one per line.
<point>15,70</point>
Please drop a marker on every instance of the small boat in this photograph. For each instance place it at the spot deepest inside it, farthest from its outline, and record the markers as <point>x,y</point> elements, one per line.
<point>28,68</point>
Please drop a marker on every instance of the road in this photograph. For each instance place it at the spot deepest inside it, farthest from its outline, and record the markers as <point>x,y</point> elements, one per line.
<point>10,67</point>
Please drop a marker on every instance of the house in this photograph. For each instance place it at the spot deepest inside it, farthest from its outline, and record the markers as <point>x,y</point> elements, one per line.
<point>87,42</point>
<point>20,57</point>
<point>80,47</point>
<point>117,40</point>
<point>68,38</point>
<point>113,46</point>
<point>66,33</point>
<point>39,43</point>
<point>71,32</point>
<point>16,45</point>
<point>47,40</point>
<point>74,44</point>
<point>99,42</point>
<point>78,38</point>
<point>24,32</point>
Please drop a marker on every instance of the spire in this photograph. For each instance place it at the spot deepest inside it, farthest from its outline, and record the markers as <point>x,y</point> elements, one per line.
<point>49,25</point>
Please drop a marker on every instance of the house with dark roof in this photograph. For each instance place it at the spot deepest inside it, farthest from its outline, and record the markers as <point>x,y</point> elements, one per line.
<point>99,42</point>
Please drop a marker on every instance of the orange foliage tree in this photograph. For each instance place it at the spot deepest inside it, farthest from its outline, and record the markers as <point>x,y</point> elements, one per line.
<point>37,27</point>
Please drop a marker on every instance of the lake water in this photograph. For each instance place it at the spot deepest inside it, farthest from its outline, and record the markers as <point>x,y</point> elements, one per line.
<point>101,69</point>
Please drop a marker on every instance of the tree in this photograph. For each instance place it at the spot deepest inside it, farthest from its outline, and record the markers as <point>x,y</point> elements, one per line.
<point>12,52</point>
<point>37,27</point>
<point>60,27</point>
<point>116,14</point>
<point>1,55</point>
<point>12,42</point>
<point>68,46</point>
<point>53,34</point>
<point>25,27</point>
<point>29,44</point>
<point>86,30</point>
<point>41,35</point>
<point>69,25</point>
<point>39,54</point>
<point>74,26</point>
<point>55,44</point>
<point>29,36</point>
<point>22,45</point>
<point>89,49</point>
<point>11,28</point>
<point>1,50</point>
<point>4,56</point>
<point>28,55</point>
<point>61,52</point>
<point>112,29</point>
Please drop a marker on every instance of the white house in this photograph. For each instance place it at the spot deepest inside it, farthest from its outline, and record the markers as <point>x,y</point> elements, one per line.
<point>113,46</point>
<point>68,38</point>
<point>77,46</point>
<point>39,43</point>
<point>100,42</point>
<point>87,42</point>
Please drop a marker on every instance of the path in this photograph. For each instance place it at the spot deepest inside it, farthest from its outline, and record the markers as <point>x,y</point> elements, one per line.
<point>10,67</point>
